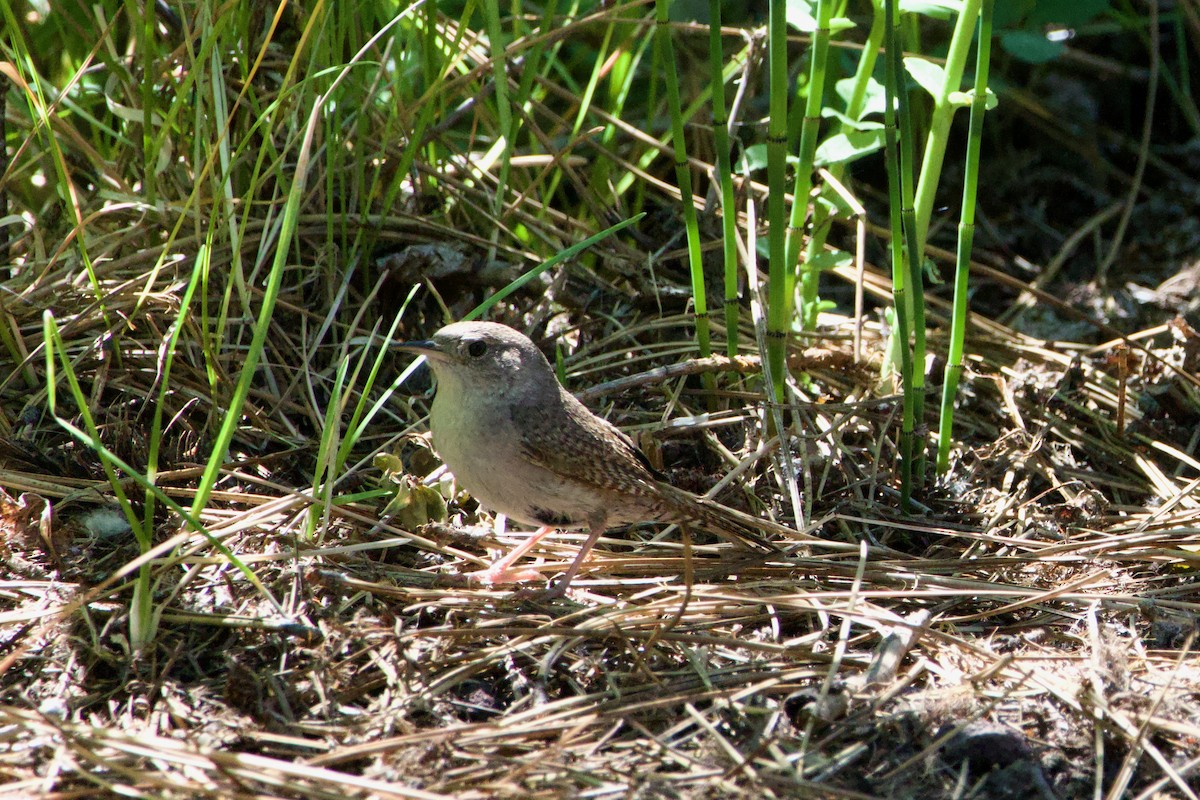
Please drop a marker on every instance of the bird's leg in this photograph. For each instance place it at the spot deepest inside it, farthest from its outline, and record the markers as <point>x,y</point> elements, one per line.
<point>596,526</point>
<point>501,572</point>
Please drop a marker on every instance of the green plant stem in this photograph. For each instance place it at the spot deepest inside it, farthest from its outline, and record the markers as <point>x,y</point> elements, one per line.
<point>914,306</point>
<point>966,237</point>
<point>918,209</point>
<point>823,213</point>
<point>895,167</point>
<point>804,168</point>
<point>779,302</point>
<point>683,176</point>
<point>724,176</point>
<point>943,114</point>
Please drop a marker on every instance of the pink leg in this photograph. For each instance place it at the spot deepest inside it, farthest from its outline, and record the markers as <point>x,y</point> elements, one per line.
<point>559,589</point>
<point>501,570</point>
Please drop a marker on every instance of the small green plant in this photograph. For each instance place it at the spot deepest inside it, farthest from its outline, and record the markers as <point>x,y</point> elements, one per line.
<point>979,98</point>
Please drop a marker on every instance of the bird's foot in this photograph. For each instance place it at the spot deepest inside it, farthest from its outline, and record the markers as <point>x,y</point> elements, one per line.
<point>502,570</point>
<point>500,573</point>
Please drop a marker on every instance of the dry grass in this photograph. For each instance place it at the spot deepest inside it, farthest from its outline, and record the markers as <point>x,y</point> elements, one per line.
<point>1029,633</point>
<point>1047,590</point>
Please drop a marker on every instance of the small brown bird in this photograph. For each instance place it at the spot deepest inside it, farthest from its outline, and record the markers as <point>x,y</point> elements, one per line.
<point>522,445</point>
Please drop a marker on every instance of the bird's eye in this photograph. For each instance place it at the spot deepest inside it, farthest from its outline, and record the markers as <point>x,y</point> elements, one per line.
<point>476,349</point>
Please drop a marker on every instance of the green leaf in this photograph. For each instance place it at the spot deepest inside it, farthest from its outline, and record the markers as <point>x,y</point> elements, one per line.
<point>853,124</point>
<point>929,75</point>
<point>964,99</point>
<point>388,463</point>
<point>874,99</point>
<point>842,148</point>
<point>415,504</point>
<point>933,277</point>
<point>753,159</point>
<point>1031,47</point>
<point>800,16</point>
<point>831,203</point>
<point>938,9</point>
<point>831,259</point>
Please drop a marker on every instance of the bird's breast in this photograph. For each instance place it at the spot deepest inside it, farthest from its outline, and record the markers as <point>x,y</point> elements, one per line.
<point>484,452</point>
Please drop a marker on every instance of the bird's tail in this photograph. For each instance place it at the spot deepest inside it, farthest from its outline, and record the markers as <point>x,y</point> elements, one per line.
<point>719,519</point>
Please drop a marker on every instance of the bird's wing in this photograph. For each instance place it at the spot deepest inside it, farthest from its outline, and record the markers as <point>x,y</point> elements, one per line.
<point>582,444</point>
<point>586,445</point>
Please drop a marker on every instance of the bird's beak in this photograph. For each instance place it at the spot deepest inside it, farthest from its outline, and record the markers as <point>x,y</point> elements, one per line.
<point>422,347</point>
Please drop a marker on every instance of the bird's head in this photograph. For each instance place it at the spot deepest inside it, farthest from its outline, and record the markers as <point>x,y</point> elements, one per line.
<point>483,357</point>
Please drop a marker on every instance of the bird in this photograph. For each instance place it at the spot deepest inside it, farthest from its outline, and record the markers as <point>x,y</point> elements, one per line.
<point>524,446</point>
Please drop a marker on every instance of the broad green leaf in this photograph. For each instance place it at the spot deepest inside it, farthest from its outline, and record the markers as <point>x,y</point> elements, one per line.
<point>939,9</point>
<point>831,259</point>
<point>854,124</point>
<point>753,159</point>
<point>1030,46</point>
<point>929,75</point>
<point>800,16</point>
<point>874,100</point>
<point>842,148</point>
